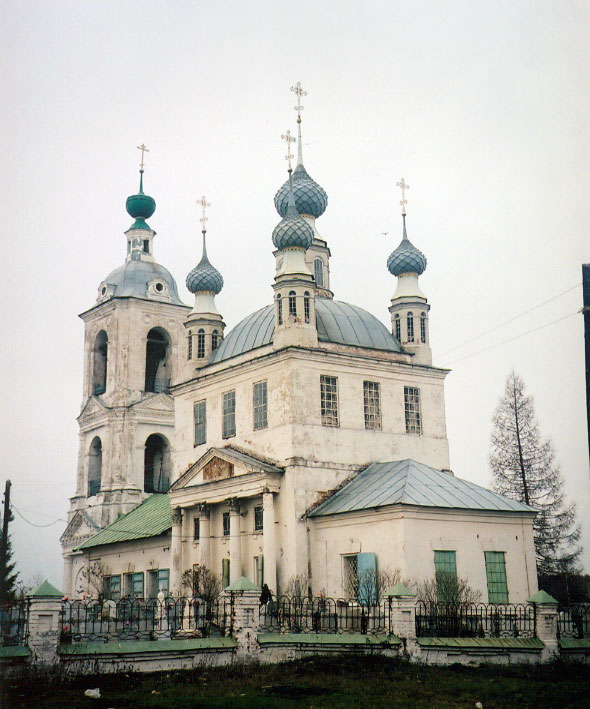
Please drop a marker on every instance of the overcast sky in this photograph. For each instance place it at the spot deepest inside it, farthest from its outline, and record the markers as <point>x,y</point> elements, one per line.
<point>482,106</point>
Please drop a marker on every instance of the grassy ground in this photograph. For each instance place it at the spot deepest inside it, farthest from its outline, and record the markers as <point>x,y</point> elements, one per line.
<point>320,682</point>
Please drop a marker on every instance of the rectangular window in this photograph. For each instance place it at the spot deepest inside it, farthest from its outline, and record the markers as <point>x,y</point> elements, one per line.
<point>372,404</point>
<point>158,580</point>
<point>114,588</point>
<point>350,576</point>
<point>196,529</point>
<point>260,405</point>
<point>258,518</point>
<point>190,345</point>
<point>329,400</point>
<point>423,328</point>
<point>412,409</point>
<point>137,585</point>
<point>226,524</point>
<point>445,572</point>
<point>200,344</point>
<point>200,418</point>
<point>225,572</point>
<point>496,576</point>
<point>229,414</point>
<point>163,577</point>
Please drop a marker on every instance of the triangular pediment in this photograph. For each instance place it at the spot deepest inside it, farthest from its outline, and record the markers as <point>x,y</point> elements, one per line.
<point>157,402</point>
<point>80,528</point>
<point>221,464</point>
<point>92,406</point>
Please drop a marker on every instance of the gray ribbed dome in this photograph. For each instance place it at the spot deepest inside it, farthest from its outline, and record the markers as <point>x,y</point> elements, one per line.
<point>341,323</point>
<point>131,280</point>
<point>406,258</point>
<point>293,230</point>
<point>310,198</point>
<point>204,276</point>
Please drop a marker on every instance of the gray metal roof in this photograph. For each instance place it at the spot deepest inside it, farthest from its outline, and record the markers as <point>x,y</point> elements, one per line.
<point>132,278</point>
<point>337,322</point>
<point>407,482</point>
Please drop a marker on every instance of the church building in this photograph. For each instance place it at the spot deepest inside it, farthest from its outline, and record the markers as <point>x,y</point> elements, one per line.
<point>307,442</point>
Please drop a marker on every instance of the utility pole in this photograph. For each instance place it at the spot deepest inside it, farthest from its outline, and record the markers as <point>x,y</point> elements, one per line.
<point>5,518</point>
<point>586,311</point>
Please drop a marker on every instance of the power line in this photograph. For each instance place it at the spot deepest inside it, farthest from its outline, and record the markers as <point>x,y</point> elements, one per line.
<point>12,507</point>
<point>496,327</point>
<point>511,339</point>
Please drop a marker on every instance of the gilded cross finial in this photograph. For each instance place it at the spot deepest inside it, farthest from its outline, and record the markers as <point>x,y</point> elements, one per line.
<point>299,92</point>
<point>403,187</point>
<point>204,204</point>
<point>288,138</point>
<point>143,150</point>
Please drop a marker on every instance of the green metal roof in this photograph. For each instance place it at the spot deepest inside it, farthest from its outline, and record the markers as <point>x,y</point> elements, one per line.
<point>542,598</point>
<point>326,639</point>
<point>151,518</point>
<point>242,584</point>
<point>482,643</point>
<point>46,589</point>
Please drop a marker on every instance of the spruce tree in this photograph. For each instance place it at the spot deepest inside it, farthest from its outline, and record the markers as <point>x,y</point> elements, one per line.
<point>524,468</point>
<point>7,573</point>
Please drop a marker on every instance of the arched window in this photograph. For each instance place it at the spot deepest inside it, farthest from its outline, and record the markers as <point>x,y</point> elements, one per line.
<point>423,327</point>
<point>156,470</point>
<point>397,329</point>
<point>214,340</point>
<point>190,344</point>
<point>200,344</point>
<point>157,368</point>
<point>306,305</point>
<point>99,363</point>
<point>410,319</point>
<point>94,466</point>
<point>318,272</point>
<point>292,303</point>
<point>280,309</point>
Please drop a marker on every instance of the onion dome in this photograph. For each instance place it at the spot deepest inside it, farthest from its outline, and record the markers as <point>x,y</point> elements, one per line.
<point>406,258</point>
<point>140,206</point>
<point>204,277</point>
<point>310,198</point>
<point>293,231</point>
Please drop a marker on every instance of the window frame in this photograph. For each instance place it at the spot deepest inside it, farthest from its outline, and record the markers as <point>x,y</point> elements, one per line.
<point>329,401</point>
<point>259,518</point>
<point>412,412</point>
<point>496,559</point>
<point>196,529</point>
<point>372,405</point>
<point>201,343</point>
<point>410,326</point>
<point>229,414</point>
<point>292,304</point>
<point>423,327</point>
<point>318,262</point>
<point>190,345</point>
<point>199,406</point>
<point>260,405</point>
<point>226,524</point>
<point>397,327</point>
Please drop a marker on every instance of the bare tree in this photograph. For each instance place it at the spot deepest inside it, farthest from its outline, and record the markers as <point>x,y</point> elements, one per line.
<point>447,588</point>
<point>374,583</point>
<point>93,576</point>
<point>202,583</point>
<point>298,586</point>
<point>524,468</point>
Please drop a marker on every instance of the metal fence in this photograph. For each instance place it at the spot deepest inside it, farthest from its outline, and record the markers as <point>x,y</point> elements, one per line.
<point>14,623</point>
<point>139,619</point>
<point>573,621</point>
<point>323,615</point>
<point>475,620</point>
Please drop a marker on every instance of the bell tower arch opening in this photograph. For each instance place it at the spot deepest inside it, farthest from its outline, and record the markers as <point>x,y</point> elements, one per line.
<point>156,471</point>
<point>94,467</point>
<point>99,363</point>
<point>157,361</point>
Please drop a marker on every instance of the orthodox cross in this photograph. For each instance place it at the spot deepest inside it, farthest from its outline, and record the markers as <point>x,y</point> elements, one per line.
<point>143,150</point>
<point>288,138</point>
<point>299,92</point>
<point>403,186</point>
<point>204,204</point>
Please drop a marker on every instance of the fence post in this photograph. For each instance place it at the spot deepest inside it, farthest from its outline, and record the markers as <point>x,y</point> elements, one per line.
<point>44,623</point>
<point>546,623</point>
<point>246,616</point>
<point>402,617</point>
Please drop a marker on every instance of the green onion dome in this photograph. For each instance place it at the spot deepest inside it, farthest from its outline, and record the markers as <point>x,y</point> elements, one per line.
<point>310,198</point>
<point>292,231</point>
<point>140,206</point>
<point>406,258</point>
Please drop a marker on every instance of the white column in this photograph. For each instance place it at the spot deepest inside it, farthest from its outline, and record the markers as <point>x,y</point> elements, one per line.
<point>235,547</point>
<point>204,535</point>
<point>269,542</point>
<point>67,584</point>
<point>176,552</point>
